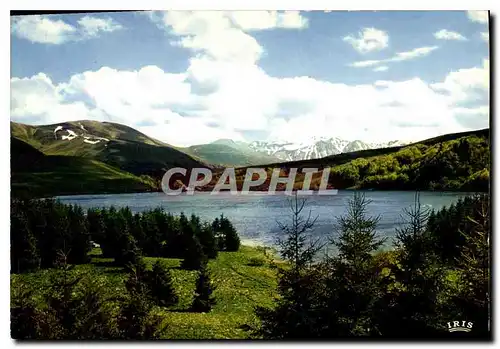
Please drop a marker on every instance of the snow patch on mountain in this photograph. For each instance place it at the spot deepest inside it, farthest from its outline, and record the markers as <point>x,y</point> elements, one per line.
<point>95,140</point>
<point>71,135</point>
<point>87,138</point>
<point>316,147</point>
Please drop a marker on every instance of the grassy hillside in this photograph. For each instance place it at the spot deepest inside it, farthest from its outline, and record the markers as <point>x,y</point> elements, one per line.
<point>44,134</point>
<point>458,161</point>
<point>240,286</point>
<point>342,158</point>
<point>229,153</point>
<point>114,144</point>
<point>36,174</point>
<point>449,163</point>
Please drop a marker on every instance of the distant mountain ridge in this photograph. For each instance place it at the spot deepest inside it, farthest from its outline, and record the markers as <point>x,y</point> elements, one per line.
<point>99,157</point>
<point>114,144</point>
<point>226,152</point>
<point>450,162</point>
<point>316,148</point>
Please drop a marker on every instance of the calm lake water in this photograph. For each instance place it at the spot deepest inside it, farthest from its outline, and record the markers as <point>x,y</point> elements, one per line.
<point>255,217</point>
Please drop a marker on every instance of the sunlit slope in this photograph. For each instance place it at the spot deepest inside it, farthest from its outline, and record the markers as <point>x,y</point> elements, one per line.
<point>36,174</point>
<point>114,144</point>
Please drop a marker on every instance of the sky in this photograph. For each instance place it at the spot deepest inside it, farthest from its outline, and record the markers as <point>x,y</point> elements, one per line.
<point>192,77</point>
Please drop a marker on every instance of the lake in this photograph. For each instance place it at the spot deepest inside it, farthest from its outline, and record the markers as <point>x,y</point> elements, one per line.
<point>255,217</point>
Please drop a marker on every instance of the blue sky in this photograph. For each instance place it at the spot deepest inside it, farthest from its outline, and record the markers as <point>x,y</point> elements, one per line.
<point>376,76</point>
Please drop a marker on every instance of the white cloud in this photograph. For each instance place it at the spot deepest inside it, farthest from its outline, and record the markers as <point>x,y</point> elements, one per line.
<point>46,30</point>
<point>485,36</point>
<point>38,99</point>
<point>222,35</point>
<point>369,39</point>
<point>212,33</point>
<point>241,97</point>
<point>466,84</point>
<point>225,94</point>
<point>93,25</point>
<point>412,54</point>
<point>478,16</point>
<point>262,20</point>
<point>381,68</point>
<point>363,64</point>
<point>398,57</point>
<point>444,34</point>
<point>42,29</point>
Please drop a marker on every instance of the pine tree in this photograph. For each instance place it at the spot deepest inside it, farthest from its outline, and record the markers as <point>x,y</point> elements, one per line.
<point>128,250</point>
<point>137,232</point>
<point>135,320</point>
<point>194,257</point>
<point>23,315</point>
<point>151,244</point>
<point>413,307</point>
<point>24,254</point>
<point>112,231</point>
<point>161,285</point>
<point>207,240</point>
<point>219,236</point>
<point>138,277</point>
<point>230,236</point>
<point>195,223</point>
<point>75,307</point>
<point>175,242</point>
<point>473,301</point>
<point>294,315</point>
<point>94,313</point>
<point>95,225</point>
<point>79,237</point>
<point>56,233</point>
<point>357,238</point>
<point>120,243</point>
<point>352,282</point>
<point>204,299</point>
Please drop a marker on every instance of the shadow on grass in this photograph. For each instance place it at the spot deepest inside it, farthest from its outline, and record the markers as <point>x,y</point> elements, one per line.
<point>117,271</point>
<point>181,268</point>
<point>105,264</point>
<point>174,310</point>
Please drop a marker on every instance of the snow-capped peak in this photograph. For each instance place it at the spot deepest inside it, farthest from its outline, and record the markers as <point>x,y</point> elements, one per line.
<point>316,147</point>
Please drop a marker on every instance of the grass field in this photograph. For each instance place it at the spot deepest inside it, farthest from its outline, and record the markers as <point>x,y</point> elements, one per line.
<point>240,286</point>
<point>66,175</point>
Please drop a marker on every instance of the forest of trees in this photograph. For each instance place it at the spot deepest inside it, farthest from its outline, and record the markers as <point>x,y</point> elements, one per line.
<point>48,234</point>
<point>460,164</point>
<point>42,230</point>
<point>438,271</point>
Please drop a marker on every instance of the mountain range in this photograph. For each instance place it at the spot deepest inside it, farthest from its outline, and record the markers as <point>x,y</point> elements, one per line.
<point>450,162</point>
<point>226,152</point>
<point>316,148</point>
<point>111,143</point>
<point>103,157</point>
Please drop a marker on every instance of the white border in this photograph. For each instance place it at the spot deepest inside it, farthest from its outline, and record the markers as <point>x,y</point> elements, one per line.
<point>199,5</point>
<point>257,5</point>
